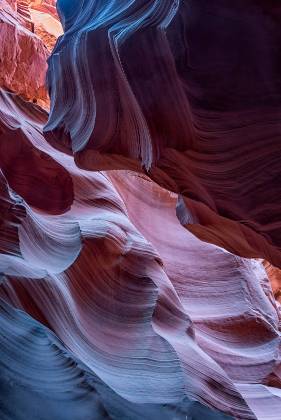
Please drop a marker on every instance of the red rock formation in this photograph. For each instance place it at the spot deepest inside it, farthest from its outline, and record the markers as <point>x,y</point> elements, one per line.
<point>45,6</point>
<point>24,12</point>
<point>274,275</point>
<point>23,57</point>
<point>127,288</point>
<point>189,91</point>
<point>46,22</point>
<point>101,259</point>
<point>12,3</point>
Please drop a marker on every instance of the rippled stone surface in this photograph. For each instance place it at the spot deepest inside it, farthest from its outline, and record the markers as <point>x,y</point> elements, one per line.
<point>109,307</point>
<point>187,90</point>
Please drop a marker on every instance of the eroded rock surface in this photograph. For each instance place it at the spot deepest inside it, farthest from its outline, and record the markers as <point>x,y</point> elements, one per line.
<point>189,91</point>
<point>23,57</point>
<point>109,307</point>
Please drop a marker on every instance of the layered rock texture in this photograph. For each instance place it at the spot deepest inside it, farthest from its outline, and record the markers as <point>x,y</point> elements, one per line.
<point>187,90</point>
<point>109,307</point>
<point>23,55</point>
<point>46,21</point>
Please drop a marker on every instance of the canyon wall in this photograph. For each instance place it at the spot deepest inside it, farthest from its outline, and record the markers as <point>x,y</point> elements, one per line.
<point>111,305</point>
<point>189,93</point>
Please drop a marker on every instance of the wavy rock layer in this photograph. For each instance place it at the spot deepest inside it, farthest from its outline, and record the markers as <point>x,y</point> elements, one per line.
<point>40,378</point>
<point>190,91</point>
<point>159,316</point>
<point>109,308</point>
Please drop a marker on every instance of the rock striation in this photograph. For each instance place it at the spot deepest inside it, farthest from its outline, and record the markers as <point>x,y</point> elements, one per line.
<point>87,256</point>
<point>109,307</point>
<point>189,92</point>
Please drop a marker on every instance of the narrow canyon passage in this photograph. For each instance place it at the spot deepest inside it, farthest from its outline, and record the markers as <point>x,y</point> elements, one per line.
<point>140,228</point>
